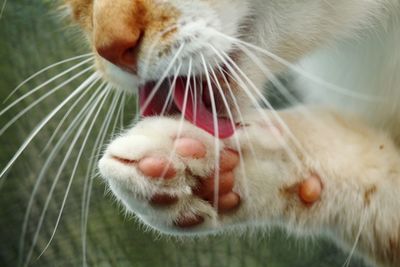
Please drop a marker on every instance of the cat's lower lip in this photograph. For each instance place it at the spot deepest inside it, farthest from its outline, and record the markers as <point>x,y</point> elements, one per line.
<point>191,98</point>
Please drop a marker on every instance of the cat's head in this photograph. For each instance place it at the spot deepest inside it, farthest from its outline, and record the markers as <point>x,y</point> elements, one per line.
<point>139,42</point>
<point>136,40</point>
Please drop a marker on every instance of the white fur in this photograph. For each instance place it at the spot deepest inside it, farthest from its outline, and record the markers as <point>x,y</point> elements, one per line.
<point>351,43</point>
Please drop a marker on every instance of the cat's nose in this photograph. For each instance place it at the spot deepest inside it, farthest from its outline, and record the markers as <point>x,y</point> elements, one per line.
<point>122,48</point>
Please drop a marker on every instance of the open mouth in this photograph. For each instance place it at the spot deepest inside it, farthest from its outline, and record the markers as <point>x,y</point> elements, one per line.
<point>193,98</point>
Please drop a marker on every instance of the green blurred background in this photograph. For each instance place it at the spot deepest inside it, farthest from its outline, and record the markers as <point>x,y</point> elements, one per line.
<point>33,36</point>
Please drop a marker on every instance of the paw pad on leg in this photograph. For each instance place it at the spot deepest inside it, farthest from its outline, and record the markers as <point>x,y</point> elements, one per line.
<point>310,190</point>
<point>228,202</point>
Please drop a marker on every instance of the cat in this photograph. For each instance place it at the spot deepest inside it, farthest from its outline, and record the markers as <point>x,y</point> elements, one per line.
<point>329,166</point>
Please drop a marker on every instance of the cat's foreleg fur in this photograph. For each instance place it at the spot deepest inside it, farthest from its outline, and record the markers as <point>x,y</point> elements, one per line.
<point>359,169</point>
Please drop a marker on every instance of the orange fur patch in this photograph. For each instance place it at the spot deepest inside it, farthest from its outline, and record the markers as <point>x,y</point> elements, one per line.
<point>127,20</point>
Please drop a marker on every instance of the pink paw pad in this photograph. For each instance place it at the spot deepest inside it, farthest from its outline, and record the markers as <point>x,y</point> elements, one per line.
<point>191,148</point>
<point>154,167</point>
<point>160,168</point>
<point>310,190</point>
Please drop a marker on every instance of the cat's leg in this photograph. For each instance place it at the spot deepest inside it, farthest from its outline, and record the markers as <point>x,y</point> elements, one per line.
<point>165,166</point>
<point>358,169</point>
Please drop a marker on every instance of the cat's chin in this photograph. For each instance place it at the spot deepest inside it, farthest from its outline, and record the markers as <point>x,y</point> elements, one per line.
<point>118,78</point>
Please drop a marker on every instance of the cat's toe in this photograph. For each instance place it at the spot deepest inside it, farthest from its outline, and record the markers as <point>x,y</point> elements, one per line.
<point>189,221</point>
<point>190,148</point>
<point>218,191</point>
<point>206,187</point>
<point>157,167</point>
<point>229,160</point>
<point>228,202</point>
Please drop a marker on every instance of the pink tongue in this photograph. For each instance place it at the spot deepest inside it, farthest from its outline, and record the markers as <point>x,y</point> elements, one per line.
<point>197,113</point>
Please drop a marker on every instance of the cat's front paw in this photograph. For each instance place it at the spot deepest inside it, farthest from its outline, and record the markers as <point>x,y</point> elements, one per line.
<point>170,174</point>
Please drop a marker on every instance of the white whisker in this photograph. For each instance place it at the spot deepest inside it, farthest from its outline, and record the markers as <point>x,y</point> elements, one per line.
<point>66,115</point>
<point>40,99</point>
<point>48,162</point>
<point>168,100</point>
<point>55,182</point>
<point>118,114</point>
<point>282,89</point>
<point>34,90</point>
<point>216,134</point>
<point>267,103</point>
<point>161,80</point>
<point>193,92</point>
<point>236,138</point>
<point>104,95</point>
<point>299,70</point>
<point>182,118</point>
<point>258,107</point>
<point>271,77</point>
<point>44,122</point>
<point>122,117</point>
<point>3,7</point>
<point>357,239</point>
<point>90,174</point>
